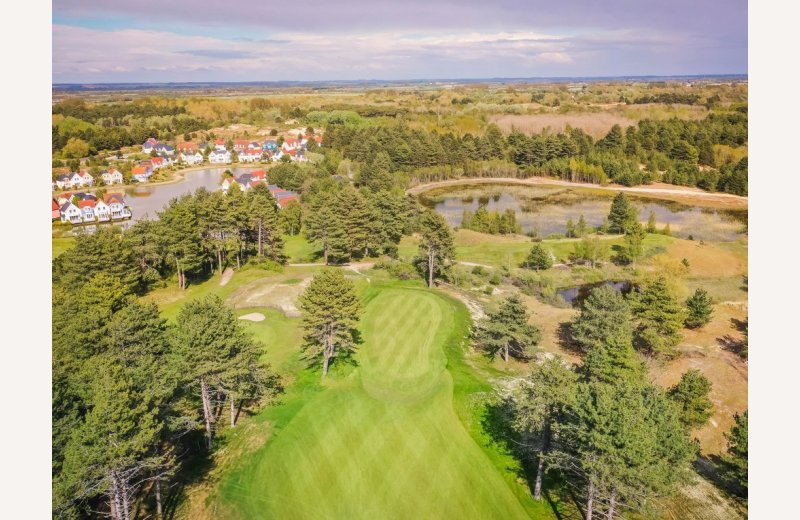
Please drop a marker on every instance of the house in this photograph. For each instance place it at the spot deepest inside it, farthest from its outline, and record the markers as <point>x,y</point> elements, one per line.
<point>81,179</point>
<point>254,145</point>
<point>219,157</point>
<point>246,180</point>
<point>64,182</point>
<point>290,143</point>
<point>164,149</point>
<point>286,198</point>
<point>240,145</point>
<point>250,155</point>
<point>71,213</point>
<point>140,174</point>
<point>148,145</point>
<point>102,212</point>
<point>187,147</point>
<point>191,157</point>
<point>112,176</point>
<point>63,198</point>
<point>219,144</point>
<point>116,205</point>
<point>87,210</point>
<point>270,144</point>
<point>158,162</point>
<point>227,182</point>
<point>56,210</point>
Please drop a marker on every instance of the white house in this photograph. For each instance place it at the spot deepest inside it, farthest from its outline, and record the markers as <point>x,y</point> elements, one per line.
<point>219,157</point>
<point>71,213</point>
<point>250,155</point>
<point>112,176</point>
<point>64,182</point>
<point>101,211</point>
<point>148,145</point>
<point>164,149</point>
<point>87,210</point>
<point>116,206</point>
<point>81,179</point>
<point>219,145</point>
<point>191,158</point>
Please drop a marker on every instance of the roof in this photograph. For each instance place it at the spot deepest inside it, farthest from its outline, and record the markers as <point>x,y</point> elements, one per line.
<point>63,177</point>
<point>86,204</point>
<point>137,170</point>
<point>55,205</point>
<point>259,173</point>
<point>110,198</point>
<point>65,206</point>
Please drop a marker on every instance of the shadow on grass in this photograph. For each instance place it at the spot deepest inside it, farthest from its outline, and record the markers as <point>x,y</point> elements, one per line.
<point>736,345</point>
<point>496,421</point>
<point>717,471</point>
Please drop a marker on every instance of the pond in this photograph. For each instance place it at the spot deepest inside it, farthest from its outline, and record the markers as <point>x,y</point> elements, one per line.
<point>544,210</point>
<point>576,295</point>
<point>147,201</point>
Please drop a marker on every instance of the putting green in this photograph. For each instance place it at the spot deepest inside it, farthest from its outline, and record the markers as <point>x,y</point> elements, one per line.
<point>384,441</point>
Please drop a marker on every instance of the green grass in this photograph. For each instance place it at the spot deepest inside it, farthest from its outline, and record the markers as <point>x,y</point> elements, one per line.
<point>300,250</point>
<point>384,439</point>
<point>61,244</point>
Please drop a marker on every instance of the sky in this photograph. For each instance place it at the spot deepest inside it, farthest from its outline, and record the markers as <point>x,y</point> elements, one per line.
<point>108,41</point>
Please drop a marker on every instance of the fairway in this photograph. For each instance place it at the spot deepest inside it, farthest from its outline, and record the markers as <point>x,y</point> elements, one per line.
<point>383,441</point>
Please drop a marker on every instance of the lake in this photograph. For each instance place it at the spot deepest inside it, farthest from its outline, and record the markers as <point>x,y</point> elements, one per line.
<point>575,295</point>
<point>546,209</point>
<point>147,200</point>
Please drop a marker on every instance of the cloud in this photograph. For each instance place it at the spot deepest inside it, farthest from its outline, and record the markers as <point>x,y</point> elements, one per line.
<point>97,41</point>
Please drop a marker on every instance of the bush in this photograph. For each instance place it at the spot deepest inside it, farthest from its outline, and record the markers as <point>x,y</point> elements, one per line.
<point>397,269</point>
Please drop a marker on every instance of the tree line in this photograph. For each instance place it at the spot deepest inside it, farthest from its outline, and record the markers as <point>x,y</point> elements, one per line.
<point>136,400</point>
<point>675,151</point>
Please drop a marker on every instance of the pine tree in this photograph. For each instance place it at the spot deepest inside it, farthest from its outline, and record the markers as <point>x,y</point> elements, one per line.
<point>570,229</point>
<point>506,331</point>
<point>210,344</point>
<point>261,209</point>
<point>330,312</point>
<point>622,214</point>
<point>291,218</point>
<point>660,318</point>
<point>634,239</point>
<point>651,222</point>
<point>691,394</point>
<point>582,228</point>
<point>436,248</point>
<point>541,404</point>
<point>357,220</point>
<point>736,457</point>
<point>324,223</point>
<point>539,258</point>
<point>700,309</point>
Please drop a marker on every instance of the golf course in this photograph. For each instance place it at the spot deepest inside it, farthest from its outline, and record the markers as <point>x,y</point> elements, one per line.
<point>384,437</point>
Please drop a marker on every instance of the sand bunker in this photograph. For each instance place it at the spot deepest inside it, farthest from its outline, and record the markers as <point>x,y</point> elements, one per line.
<point>253,316</point>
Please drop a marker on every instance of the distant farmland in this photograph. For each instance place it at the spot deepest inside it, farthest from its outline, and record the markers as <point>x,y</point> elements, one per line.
<point>595,124</point>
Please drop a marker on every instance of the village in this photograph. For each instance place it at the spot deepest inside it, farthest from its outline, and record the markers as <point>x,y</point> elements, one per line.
<point>85,207</point>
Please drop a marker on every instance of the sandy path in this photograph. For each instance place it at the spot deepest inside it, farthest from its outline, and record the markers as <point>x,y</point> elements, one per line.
<point>227,274</point>
<point>655,189</point>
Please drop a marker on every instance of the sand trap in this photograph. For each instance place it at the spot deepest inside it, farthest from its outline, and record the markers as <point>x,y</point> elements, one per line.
<point>253,316</point>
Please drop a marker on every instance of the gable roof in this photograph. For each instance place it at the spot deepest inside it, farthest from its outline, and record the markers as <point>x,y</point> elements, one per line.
<point>86,204</point>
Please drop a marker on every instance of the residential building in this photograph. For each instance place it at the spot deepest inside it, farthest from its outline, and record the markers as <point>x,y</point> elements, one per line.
<point>56,210</point>
<point>140,174</point>
<point>164,149</point>
<point>191,157</point>
<point>64,182</point>
<point>219,157</point>
<point>71,213</point>
<point>219,144</point>
<point>112,176</point>
<point>116,205</point>
<point>87,210</point>
<point>250,155</point>
<point>148,145</point>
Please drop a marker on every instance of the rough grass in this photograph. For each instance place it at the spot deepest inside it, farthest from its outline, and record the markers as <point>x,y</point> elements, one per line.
<point>61,244</point>
<point>386,437</point>
<point>595,124</point>
<point>299,250</point>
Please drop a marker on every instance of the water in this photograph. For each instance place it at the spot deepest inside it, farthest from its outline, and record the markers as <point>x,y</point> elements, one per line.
<point>546,209</point>
<point>147,201</point>
<point>576,295</point>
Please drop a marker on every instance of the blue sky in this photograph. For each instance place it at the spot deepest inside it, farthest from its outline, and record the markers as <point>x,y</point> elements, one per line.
<point>249,40</point>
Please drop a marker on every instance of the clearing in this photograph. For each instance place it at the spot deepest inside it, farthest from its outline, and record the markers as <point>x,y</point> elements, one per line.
<point>385,436</point>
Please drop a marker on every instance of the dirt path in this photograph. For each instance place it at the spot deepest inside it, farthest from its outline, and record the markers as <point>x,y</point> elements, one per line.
<point>656,190</point>
<point>227,274</point>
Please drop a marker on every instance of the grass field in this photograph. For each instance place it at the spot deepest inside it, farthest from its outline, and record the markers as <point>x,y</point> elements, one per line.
<point>385,437</point>
<point>61,244</point>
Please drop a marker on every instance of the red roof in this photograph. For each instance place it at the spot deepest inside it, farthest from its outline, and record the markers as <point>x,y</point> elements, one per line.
<point>219,141</point>
<point>261,174</point>
<point>187,145</point>
<point>108,198</point>
<point>283,202</point>
<point>157,160</point>
<point>138,169</point>
<point>55,205</point>
<point>86,204</point>
<point>290,140</point>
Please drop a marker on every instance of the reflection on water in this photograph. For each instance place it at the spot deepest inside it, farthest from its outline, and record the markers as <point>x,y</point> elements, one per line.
<point>546,209</point>
<point>147,200</point>
<point>576,295</point>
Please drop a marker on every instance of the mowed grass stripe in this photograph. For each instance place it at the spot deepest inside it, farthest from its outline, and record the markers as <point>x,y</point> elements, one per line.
<point>351,452</point>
